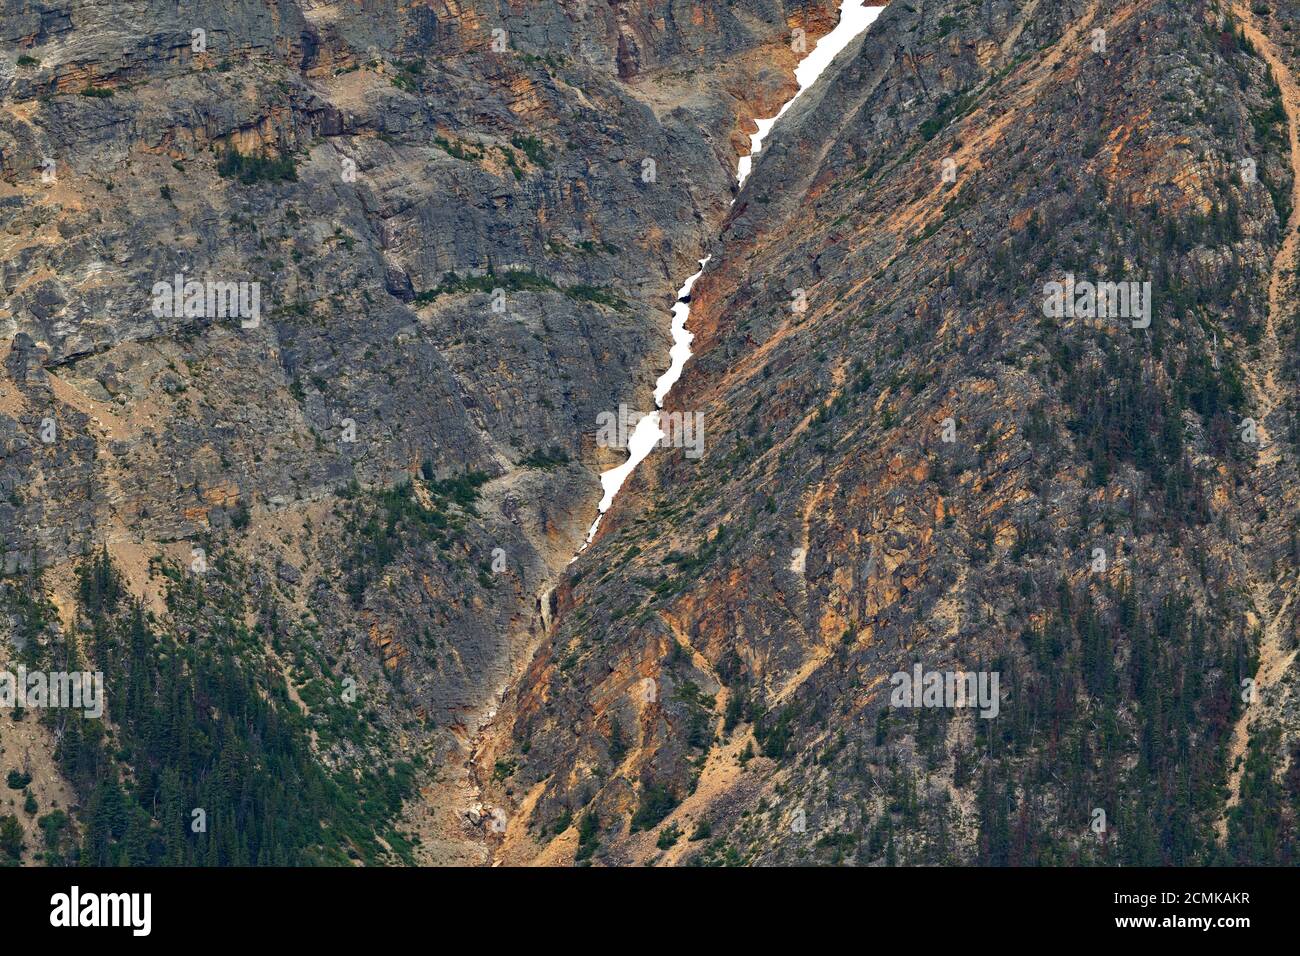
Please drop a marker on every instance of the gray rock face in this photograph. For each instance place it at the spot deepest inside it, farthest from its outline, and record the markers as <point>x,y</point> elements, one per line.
<point>423,249</point>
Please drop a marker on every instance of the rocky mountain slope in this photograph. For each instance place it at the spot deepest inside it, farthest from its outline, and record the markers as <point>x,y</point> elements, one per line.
<point>321,548</point>
<point>916,459</point>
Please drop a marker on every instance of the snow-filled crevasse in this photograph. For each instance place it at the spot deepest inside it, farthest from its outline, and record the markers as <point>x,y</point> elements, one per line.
<point>855,16</point>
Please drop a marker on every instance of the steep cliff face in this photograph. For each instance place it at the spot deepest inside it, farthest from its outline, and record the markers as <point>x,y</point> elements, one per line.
<point>917,455</point>
<point>456,230</point>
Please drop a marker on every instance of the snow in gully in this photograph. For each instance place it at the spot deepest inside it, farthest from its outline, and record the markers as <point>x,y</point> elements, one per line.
<point>855,17</point>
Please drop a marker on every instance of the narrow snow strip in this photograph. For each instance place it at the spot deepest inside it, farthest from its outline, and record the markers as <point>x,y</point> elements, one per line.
<point>855,16</point>
<point>647,433</point>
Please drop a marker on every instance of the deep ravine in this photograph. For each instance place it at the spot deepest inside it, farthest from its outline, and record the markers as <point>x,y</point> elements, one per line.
<point>855,17</point>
